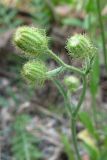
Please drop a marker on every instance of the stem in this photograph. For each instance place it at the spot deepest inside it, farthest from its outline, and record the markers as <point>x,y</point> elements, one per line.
<point>57,59</point>
<point>102,31</point>
<point>74,119</point>
<point>69,110</point>
<point>74,114</point>
<point>74,138</point>
<point>64,95</point>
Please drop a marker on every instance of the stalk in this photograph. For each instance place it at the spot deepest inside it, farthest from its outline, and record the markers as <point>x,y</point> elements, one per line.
<point>74,119</point>
<point>102,31</point>
<point>73,115</point>
<point>57,59</point>
<point>74,138</point>
<point>81,98</point>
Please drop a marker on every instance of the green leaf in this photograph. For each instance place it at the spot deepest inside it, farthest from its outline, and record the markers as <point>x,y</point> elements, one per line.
<point>87,122</point>
<point>93,153</point>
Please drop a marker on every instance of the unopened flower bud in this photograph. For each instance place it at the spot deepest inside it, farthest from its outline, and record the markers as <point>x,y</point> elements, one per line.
<point>79,46</point>
<point>72,83</point>
<point>32,41</point>
<point>34,72</point>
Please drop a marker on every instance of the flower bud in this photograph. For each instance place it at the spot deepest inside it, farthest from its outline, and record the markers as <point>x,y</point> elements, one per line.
<point>72,83</point>
<point>34,72</point>
<point>79,46</point>
<point>32,41</point>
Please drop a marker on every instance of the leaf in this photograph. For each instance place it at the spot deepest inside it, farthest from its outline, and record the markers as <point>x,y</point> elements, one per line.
<point>87,122</point>
<point>89,144</point>
<point>86,137</point>
<point>93,153</point>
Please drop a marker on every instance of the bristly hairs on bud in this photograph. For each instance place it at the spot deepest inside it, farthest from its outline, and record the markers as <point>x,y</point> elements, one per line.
<point>32,41</point>
<point>34,72</point>
<point>80,46</point>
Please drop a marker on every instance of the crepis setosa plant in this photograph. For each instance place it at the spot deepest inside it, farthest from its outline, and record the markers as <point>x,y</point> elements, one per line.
<point>34,42</point>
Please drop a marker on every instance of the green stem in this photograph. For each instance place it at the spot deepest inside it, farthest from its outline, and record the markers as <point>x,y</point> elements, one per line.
<point>74,118</point>
<point>57,59</point>
<point>81,98</point>
<point>102,31</point>
<point>74,138</point>
<point>69,110</point>
<point>73,114</point>
<point>64,95</point>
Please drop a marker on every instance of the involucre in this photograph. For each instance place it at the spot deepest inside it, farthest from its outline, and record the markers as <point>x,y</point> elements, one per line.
<point>32,41</point>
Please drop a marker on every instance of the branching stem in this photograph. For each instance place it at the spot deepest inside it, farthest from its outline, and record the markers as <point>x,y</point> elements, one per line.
<point>57,59</point>
<point>73,114</point>
<point>74,119</point>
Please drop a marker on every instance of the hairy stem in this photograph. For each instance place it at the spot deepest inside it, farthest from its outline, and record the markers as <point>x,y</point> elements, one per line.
<point>58,60</point>
<point>102,31</point>
<point>74,138</point>
<point>73,114</point>
<point>81,98</point>
<point>74,118</point>
<point>64,95</point>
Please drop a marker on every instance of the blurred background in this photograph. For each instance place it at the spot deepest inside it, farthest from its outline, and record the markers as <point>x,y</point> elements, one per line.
<point>33,122</point>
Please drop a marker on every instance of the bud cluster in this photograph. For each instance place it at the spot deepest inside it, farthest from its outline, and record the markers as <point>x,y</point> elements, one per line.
<point>34,43</point>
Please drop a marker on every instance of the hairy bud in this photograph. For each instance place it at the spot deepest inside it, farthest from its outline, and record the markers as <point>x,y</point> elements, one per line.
<point>34,72</point>
<point>32,41</point>
<point>79,46</point>
<point>72,83</point>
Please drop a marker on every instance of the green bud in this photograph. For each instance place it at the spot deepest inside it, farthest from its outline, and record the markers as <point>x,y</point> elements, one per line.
<point>79,46</point>
<point>34,72</point>
<point>72,83</point>
<point>32,41</point>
